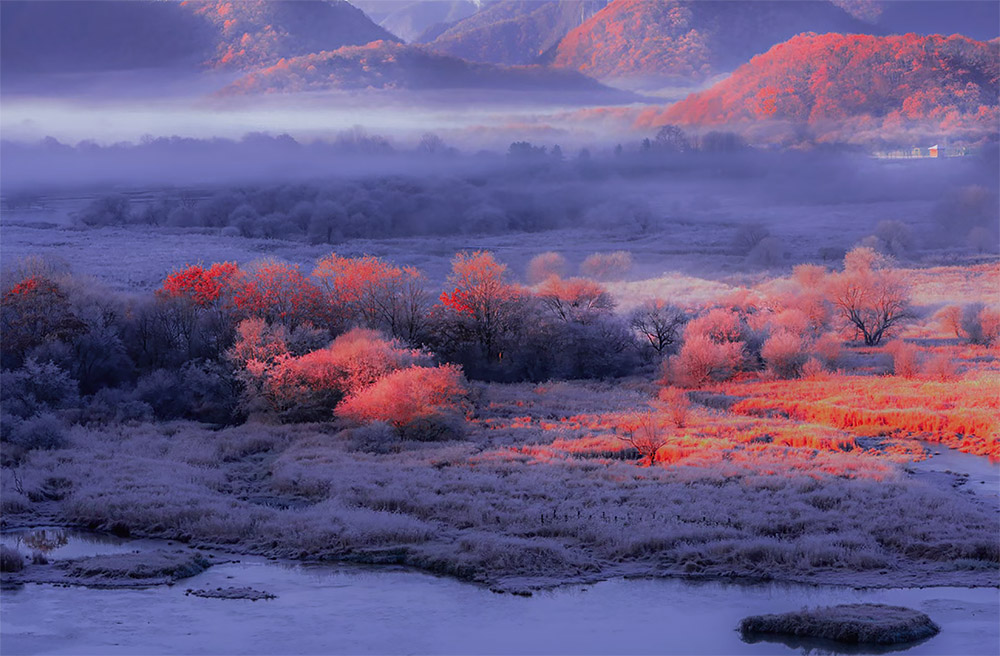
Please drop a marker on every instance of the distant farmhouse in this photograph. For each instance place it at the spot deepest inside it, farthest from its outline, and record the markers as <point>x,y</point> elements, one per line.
<point>917,152</point>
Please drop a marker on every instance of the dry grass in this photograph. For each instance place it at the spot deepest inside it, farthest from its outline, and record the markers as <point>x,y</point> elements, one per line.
<point>963,414</point>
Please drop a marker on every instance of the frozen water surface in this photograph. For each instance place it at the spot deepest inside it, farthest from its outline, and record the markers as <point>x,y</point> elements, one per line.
<point>983,474</point>
<point>58,543</point>
<point>358,610</point>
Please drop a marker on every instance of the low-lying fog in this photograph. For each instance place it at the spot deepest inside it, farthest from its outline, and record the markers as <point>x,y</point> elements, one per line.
<point>488,120</point>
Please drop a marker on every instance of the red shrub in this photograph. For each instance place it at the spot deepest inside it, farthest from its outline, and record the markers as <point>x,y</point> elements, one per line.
<point>784,353</point>
<point>702,360</point>
<point>905,358</point>
<point>407,396</point>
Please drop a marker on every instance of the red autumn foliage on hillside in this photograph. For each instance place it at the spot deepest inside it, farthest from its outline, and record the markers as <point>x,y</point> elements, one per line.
<point>253,33</point>
<point>655,42</point>
<point>633,38</point>
<point>386,65</point>
<point>820,80</point>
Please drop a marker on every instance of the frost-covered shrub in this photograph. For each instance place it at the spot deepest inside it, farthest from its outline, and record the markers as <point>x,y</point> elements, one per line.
<point>980,324</point>
<point>784,352</point>
<point>437,427</point>
<point>44,431</point>
<point>376,437</point>
<point>607,266</point>
<point>939,367</point>
<point>11,559</point>
<point>35,387</point>
<point>792,320</point>
<point>646,432</point>
<point>114,209</point>
<point>828,348</point>
<point>741,332</point>
<point>813,368</point>
<point>905,358</point>
<point>601,348</point>
<point>306,338</point>
<point>211,392</point>
<point>719,325</point>
<point>545,265</point>
<point>114,406</point>
<point>867,624</point>
<point>894,237</point>
<point>982,240</point>
<point>676,404</point>
<point>164,392</point>
<point>308,387</point>
<point>408,396</point>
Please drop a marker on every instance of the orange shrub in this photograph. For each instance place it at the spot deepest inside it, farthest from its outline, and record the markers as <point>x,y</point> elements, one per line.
<point>407,396</point>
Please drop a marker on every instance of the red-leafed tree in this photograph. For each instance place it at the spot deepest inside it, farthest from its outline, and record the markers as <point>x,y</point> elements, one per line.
<point>373,293</point>
<point>575,299</point>
<point>213,286</point>
<point>278,292</point>
<point>484,306</point>
<point>35,311</point>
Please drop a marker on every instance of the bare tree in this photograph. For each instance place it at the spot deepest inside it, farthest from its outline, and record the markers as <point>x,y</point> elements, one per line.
<point>575,299</point>
<point>659,322</point>
<point>645,432</point>
<point>874,300</point>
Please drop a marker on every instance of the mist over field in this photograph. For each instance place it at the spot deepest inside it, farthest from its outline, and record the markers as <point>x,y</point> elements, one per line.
<point>305,301</point>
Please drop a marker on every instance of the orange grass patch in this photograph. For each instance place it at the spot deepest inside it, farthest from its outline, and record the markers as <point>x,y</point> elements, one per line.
<point>963,414</point>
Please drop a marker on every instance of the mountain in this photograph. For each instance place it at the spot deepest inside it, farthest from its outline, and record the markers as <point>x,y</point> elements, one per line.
<point>408,19</point>
<point>388,65</point>
<point>653,43</point>
<point>512,31</point>
<point>854,88</point>
<point>254,33</point>
<point>79,36</point>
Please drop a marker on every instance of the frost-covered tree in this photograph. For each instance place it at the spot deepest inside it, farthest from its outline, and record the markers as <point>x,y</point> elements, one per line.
<point>658,323</point>
<point>869,295</point>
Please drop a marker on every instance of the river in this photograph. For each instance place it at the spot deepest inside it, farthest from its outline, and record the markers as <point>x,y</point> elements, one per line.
<point>362,610</point>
